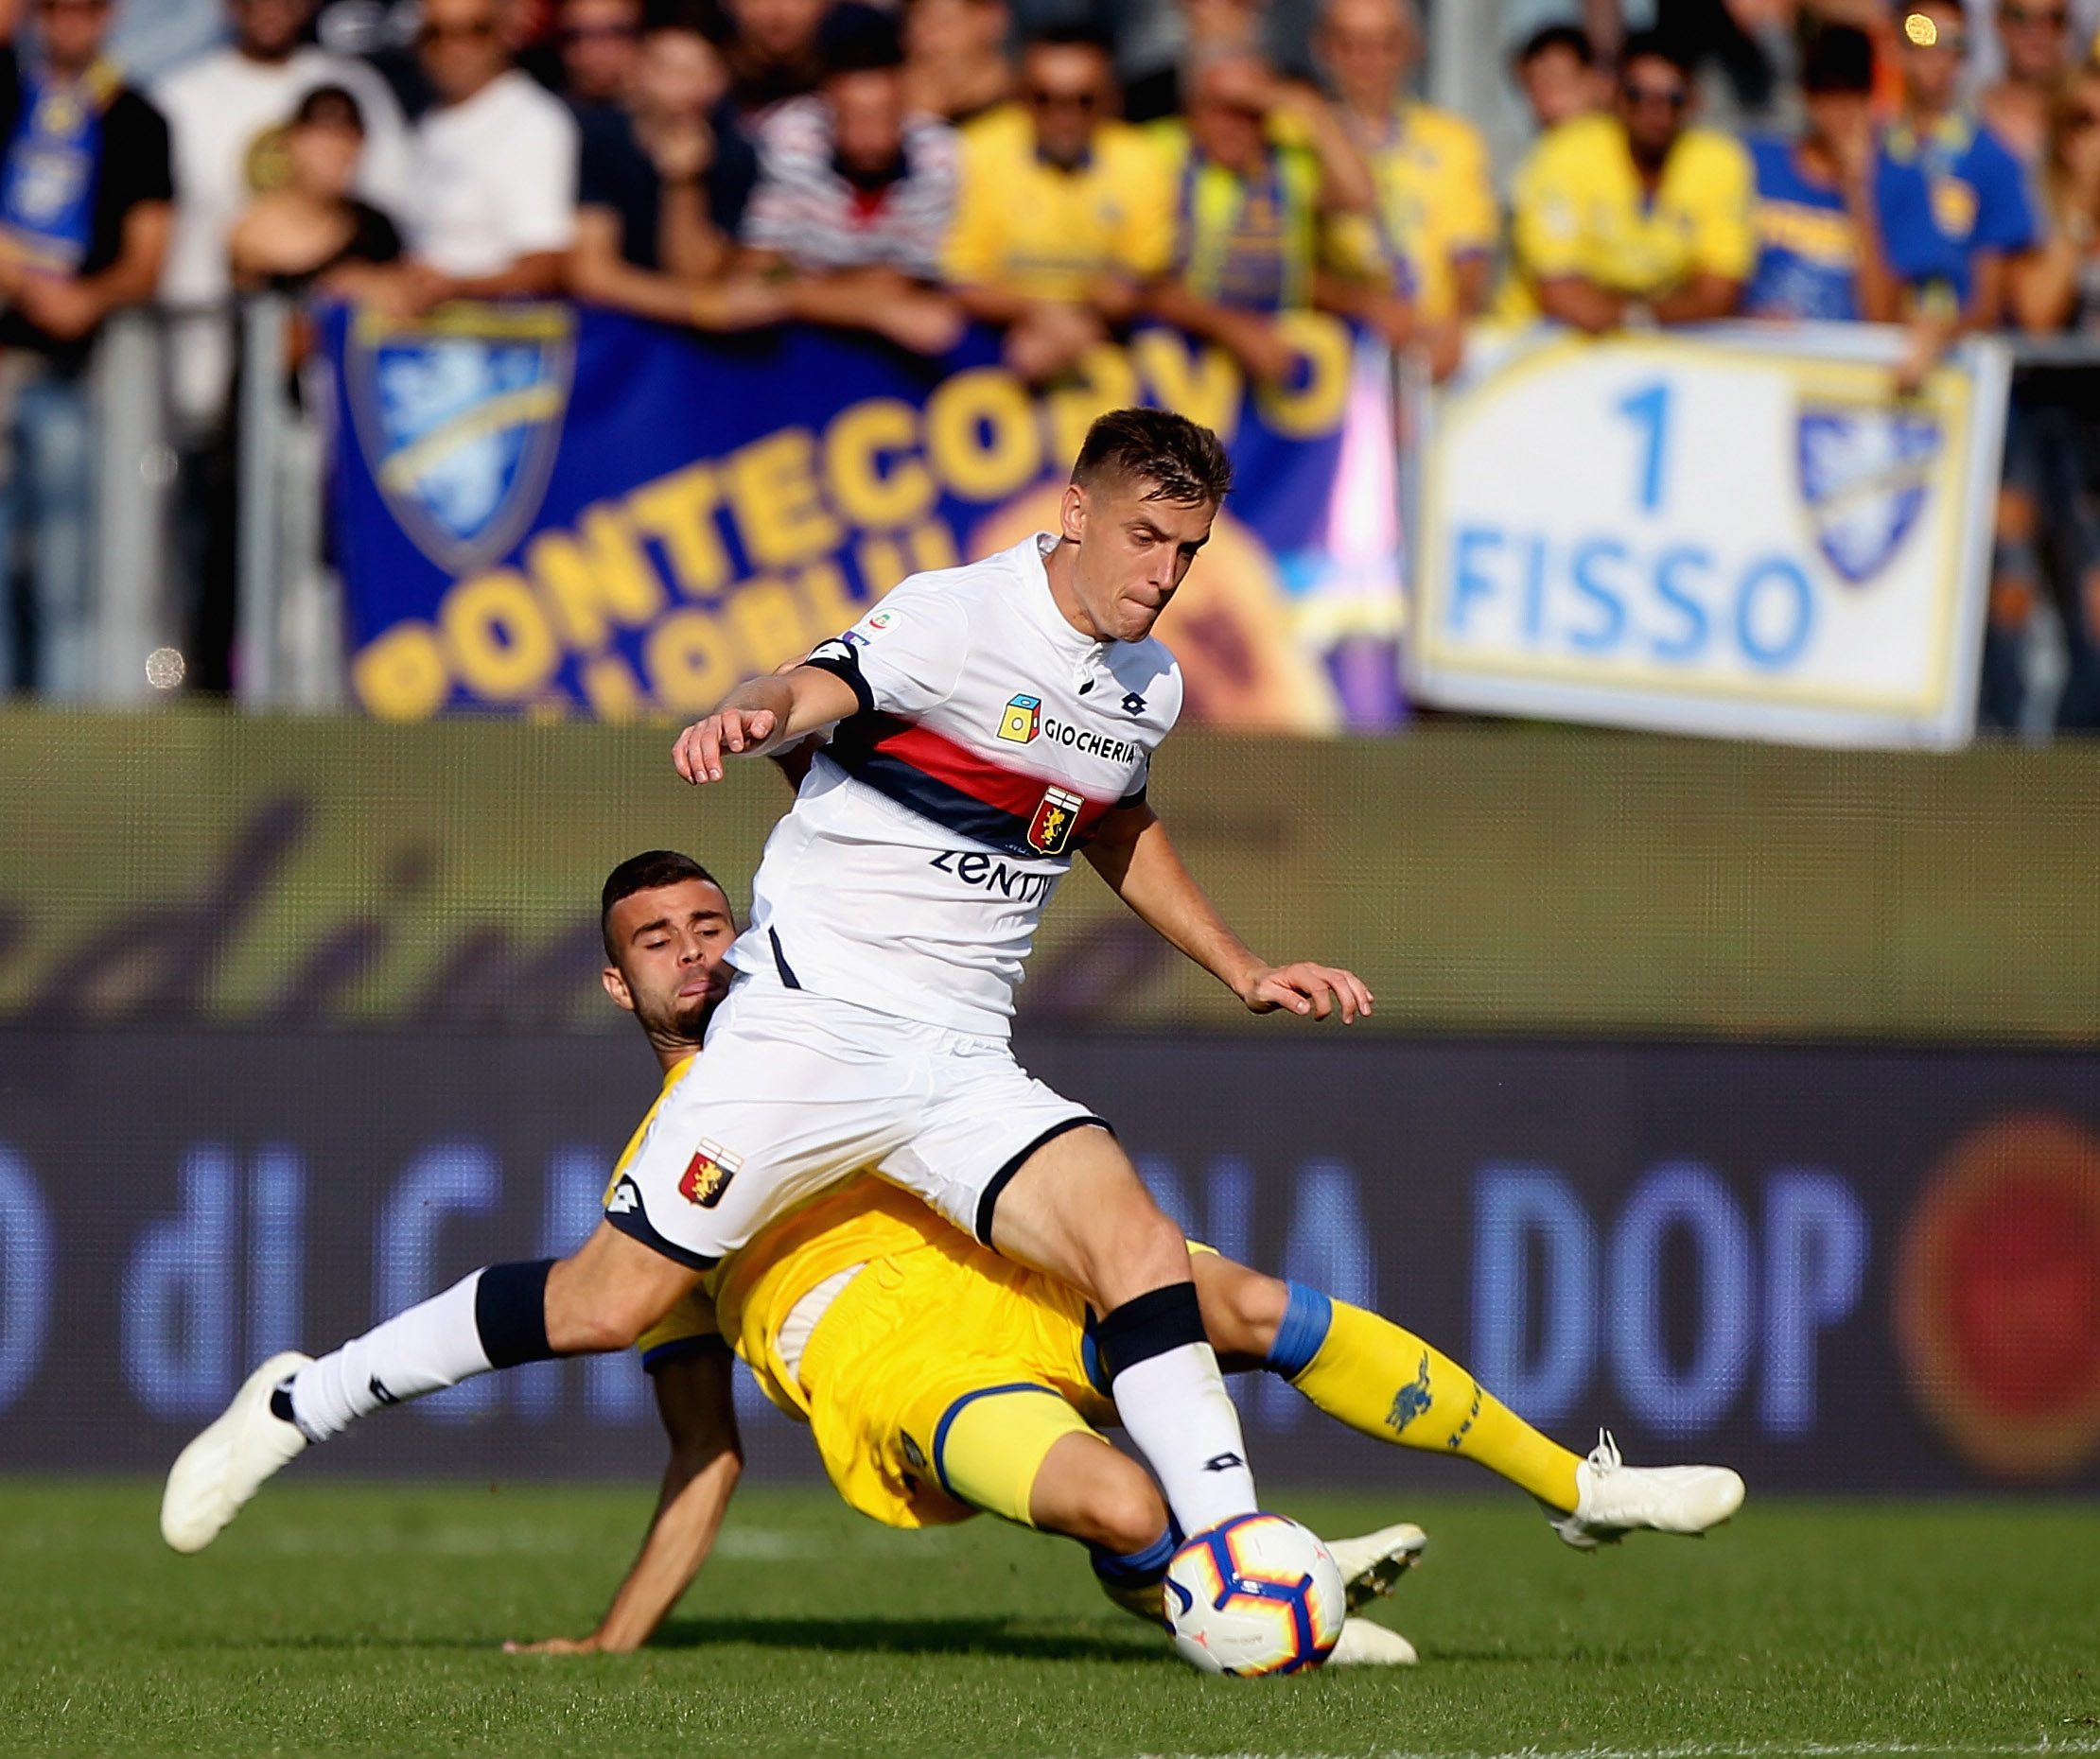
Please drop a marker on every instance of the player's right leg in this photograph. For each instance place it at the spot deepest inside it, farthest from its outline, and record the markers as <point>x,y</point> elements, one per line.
<point>497,1317</point>
<point>1386,1383</point>
<point>1075,1209</point>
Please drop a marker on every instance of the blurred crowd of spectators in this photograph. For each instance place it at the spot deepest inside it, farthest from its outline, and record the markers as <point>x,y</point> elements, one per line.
<point>1054,169</point>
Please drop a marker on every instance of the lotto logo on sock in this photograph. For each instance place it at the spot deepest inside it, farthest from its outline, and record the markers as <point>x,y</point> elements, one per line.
<point>707,1175</point>
<point>1023,719</point>
<point>1050,827</point>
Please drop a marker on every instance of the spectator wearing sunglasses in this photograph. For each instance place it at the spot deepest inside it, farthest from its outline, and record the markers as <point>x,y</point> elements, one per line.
<point>2034,39</point>
<point>494,209</point>
<point>1819,243</point>
<point>1065,215</point>
<point>1631,215</point>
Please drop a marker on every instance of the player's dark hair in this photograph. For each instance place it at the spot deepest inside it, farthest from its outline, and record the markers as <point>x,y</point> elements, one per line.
<point>1076,34</point>
<point>1548,38</point>
<point>1841,58</point>
<point>1184,463</point>
<point>1653,45</point>
<point>645,873</point>
<point>859,39</point>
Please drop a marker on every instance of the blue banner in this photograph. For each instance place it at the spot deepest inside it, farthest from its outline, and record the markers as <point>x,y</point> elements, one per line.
<point>555,512</point>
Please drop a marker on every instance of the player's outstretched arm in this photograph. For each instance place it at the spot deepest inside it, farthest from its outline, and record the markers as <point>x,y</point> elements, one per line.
<point>759,717</point>
<point>707,1459</point>
<point>1133,853</point>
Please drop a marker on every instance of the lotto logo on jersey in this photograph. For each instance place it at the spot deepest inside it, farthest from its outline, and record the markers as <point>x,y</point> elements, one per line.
<point>1050,827</point>
<point>1023,719</point>
<point>707,1175</point>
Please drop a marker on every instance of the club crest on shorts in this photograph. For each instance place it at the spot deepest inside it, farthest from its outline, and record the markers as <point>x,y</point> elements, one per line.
<point>1021,721</point>
<point>1050,830</point>
<point>708,1173</point>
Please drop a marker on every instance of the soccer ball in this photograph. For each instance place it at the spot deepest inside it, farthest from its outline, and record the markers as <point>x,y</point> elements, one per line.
<point>1257,1594</point>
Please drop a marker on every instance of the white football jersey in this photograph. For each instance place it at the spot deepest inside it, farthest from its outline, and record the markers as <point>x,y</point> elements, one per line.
<point>991,737</point>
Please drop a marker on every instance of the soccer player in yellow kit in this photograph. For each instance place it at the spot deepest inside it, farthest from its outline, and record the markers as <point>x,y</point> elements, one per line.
<point>940,1378</point>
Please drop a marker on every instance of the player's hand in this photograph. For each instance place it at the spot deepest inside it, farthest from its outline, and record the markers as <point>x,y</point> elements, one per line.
<point>1306,989</point>
<point>699,751</point>
<point>554,1646</point>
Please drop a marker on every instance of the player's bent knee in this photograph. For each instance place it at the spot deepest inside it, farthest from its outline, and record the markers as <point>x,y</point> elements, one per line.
<point>1088,1491</point>
<point>1242,1309</point>
<point>1129,1511</point>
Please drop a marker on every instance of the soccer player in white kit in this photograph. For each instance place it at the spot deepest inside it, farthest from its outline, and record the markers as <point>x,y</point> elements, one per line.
<point>991,721</point>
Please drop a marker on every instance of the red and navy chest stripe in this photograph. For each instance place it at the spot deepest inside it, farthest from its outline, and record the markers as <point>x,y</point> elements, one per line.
<point>958,789</point>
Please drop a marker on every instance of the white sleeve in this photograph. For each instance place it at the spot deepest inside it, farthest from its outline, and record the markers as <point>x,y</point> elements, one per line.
<point>539,184</point>
<point>904,656</point>
<point>386,173</point>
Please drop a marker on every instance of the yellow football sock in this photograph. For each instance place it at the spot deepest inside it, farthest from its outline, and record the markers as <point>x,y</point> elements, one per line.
<point>1386,1382</point>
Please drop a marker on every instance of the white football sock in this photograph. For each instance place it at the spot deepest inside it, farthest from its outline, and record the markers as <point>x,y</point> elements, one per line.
<point>429,1347</point>
<point>1176,1408</point>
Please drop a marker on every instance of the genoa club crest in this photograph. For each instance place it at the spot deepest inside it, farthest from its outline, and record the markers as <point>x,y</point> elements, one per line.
<point>1866,475</point>
<point>1050,830</point>
<point>707,1175</point>
<point>459,417</point>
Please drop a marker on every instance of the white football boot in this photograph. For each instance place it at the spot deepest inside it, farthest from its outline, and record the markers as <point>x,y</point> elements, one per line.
<point>1365,1644</point>
<point>228,1462</point>
<point>1614,1499</point>
<point>1373,1564</point>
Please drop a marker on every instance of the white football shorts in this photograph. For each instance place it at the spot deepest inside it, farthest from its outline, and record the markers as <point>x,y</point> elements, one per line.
<point>796,1091</point>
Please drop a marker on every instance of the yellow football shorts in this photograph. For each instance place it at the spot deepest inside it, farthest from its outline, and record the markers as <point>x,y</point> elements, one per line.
<point>939,1379</point>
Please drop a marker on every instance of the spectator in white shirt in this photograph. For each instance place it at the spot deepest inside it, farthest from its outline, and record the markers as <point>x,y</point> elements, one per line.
<point>494,209</point>
<point>220,111</point>
<point>855,195</point>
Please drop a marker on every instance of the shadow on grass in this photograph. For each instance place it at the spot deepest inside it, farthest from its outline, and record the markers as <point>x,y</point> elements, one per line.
<point>911,1636</point>
<point>1012,1638</point>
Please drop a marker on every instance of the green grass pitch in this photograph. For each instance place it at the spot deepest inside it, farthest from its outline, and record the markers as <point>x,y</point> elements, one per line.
<point>365,1621</point>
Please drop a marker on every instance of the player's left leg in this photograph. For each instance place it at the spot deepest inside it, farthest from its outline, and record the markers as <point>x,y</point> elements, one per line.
<point>1023,1454</point>
<point>1044,1182</point>
<point>1386,1383</point>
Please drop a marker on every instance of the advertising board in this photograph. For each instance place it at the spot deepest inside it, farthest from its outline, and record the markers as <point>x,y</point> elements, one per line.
<point>1743,532</point>
<point>1838,1269</point>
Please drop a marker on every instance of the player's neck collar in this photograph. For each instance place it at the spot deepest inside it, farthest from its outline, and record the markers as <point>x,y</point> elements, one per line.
<point>1042,600</point>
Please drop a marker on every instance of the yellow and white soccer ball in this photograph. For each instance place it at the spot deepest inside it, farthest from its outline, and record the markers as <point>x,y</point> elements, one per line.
<point>1257,1594</point>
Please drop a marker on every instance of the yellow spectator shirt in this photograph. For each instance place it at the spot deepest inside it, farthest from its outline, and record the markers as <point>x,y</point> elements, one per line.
<point>1027,226</point>
<point>1436,200</point>
<point>1580,210</point>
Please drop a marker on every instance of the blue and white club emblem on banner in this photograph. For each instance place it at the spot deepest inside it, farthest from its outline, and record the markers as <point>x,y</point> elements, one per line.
<point>1865,472</point>
<point>458,418</point>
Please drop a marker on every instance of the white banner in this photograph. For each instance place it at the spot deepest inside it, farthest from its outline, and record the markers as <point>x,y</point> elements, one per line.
<point>1740,532</point>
